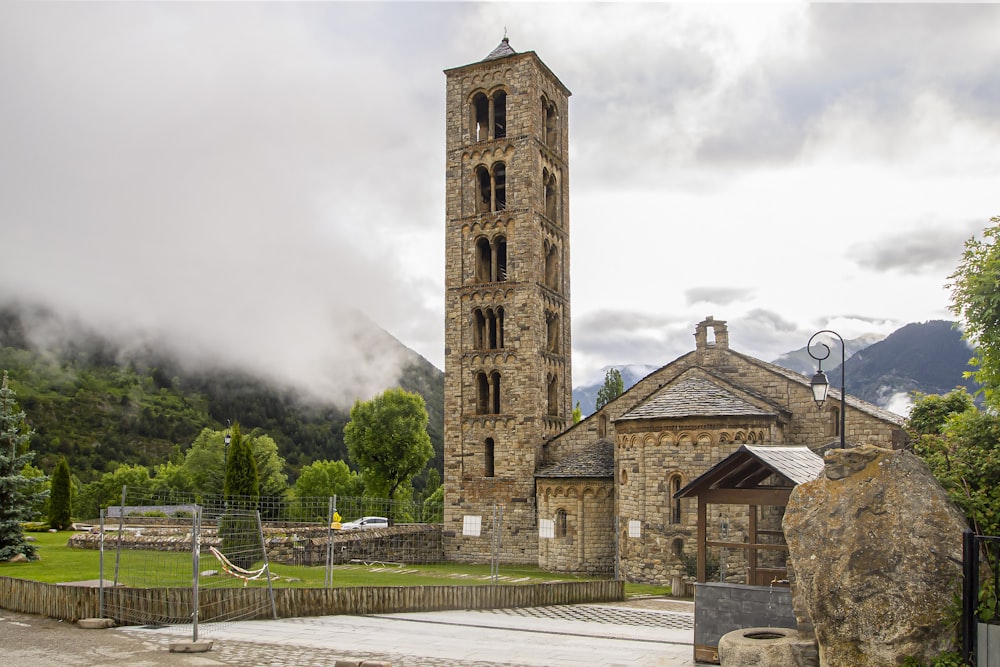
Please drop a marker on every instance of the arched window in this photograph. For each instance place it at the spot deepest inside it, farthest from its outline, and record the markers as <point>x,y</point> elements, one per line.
<point>482,394</point>
<point>491,260</point>
<point>553,395</point>
<point>550,194</point>
<point>499,114</point>
<point>484,261</point>
<point>480,117</point>
<point>491,188</point>
<point>495,387</point>
<point>499,186</point>
<point>488,116</point>
<point>560,527</point>
<point>484,190</point>
<point>500,250</point>
<point>551,332</point>
<point>488,458</point>
<point>602,426</point>
<point>499,327</point>
<point>673,486</point>
<point>551,266</point>
<point>550,121</point>
<point>478,330</point>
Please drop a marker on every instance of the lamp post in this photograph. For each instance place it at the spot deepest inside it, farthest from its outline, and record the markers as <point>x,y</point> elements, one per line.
<point>225,457</point>
<point>821,386</point>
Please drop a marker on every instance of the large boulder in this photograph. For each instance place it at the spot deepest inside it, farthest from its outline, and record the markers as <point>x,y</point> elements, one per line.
<point>875,546</point>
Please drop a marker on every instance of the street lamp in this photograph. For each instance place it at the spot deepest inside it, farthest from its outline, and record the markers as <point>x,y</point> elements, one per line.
<point>821,386</point>
<point>225,453</point>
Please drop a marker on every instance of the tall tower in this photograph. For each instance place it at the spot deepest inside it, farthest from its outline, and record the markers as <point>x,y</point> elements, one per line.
<point>508,385</point>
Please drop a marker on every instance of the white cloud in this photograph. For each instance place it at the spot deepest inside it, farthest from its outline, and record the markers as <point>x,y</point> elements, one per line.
<point>210,168</point>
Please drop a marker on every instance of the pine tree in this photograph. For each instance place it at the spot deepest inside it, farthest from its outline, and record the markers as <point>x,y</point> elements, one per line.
<point>238,528</point>
<point>15,496</point>
<point>60,503</point>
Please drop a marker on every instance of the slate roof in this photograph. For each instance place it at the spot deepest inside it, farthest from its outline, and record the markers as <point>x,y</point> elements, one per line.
<point>502,51</point>
<point>598,460</point>
<point>751,464</point>
<point>694,397</point>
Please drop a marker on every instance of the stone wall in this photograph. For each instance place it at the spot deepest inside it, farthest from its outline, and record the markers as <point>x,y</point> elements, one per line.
<point>303,545</point>
<point>587,545</point>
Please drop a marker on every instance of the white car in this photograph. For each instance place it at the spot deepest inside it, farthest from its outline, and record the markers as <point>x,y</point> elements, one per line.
<point>366,522</point>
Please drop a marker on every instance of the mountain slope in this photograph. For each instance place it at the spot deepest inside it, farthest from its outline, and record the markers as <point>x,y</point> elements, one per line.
<point>95,402</point>
<point>928,357</point>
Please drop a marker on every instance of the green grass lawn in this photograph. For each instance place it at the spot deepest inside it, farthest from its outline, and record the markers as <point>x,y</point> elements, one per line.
<point>59,563</point>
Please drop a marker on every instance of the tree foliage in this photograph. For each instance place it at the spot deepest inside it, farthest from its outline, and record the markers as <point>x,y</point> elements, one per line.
<point>61,499</point>
<point>242,481</point>
<point>975,299</point>
<point>387,440</point>
<point>328,478</point>
<point>961,445</point>
<point>612,388</point>
<point>15,499</point>
<point>577,413</point>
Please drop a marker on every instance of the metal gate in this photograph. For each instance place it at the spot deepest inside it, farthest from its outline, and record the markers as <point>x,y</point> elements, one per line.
<point>980,606</point>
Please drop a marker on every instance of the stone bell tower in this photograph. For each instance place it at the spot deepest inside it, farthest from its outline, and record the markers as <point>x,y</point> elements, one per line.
<point>508,385</point>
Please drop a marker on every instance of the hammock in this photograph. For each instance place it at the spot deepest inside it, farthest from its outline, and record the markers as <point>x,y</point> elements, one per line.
<point>235,570</point>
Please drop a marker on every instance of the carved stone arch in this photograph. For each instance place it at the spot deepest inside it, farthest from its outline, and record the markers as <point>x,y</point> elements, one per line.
<point>705,439</point>
<point>740,437</point>
<point>684,438</point>
<point>725,437</point>
<point>649,439</point>
<point>573,492</point>
<point>665,439</point>
<point>635,440</point>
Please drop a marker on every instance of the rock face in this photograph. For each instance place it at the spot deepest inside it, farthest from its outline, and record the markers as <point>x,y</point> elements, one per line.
<point>869,543</point>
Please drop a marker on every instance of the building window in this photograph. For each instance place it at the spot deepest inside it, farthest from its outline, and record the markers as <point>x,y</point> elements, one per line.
<point>495,392</point>
<point>491,188</point>
<point>560,528</point>
<point>499,114</point>
<point>482,394</point>
<point>550,195</point>
<point>491,260</point>
<point>488,393</point>
<point>602,425</point>
<point>550,123</point>
<point>551,332</point>
<point>674,485</point>
<point>487,329</point>
<point>553,396</point>
<point>551,266</point>
<point>488,116</point>
<point>835,413</point>
<point>488,458</point>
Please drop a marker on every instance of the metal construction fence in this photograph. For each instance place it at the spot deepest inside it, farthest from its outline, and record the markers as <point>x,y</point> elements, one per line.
<point>981,599</point>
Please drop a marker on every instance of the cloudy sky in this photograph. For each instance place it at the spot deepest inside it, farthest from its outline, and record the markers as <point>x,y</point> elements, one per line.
<point>238,176</point>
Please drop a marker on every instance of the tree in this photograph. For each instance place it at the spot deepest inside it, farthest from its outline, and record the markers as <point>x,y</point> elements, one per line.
<point>975,299</point>
<point>242,483</point>
<point>328,478</point>
<point>961,445</point>
<point>15,497</point>
<point>61,502</point>
<point>203,467</point>
<point>387,440</point>
<point>577,413</point>
<point>238,527</point>
<point>107,490</point>
<point>612,388</point>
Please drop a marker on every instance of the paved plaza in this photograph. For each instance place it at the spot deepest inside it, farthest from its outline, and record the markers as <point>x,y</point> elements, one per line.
<point>645,633</point>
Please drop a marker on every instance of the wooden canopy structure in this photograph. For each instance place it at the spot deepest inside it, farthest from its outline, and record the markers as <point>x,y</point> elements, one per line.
<point>753,475</point>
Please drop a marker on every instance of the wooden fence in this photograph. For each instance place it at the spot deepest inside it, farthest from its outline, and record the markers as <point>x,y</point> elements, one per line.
<point>71,603</point>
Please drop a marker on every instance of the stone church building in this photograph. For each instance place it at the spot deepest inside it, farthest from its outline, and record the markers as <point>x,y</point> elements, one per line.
<point>523,484</point>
